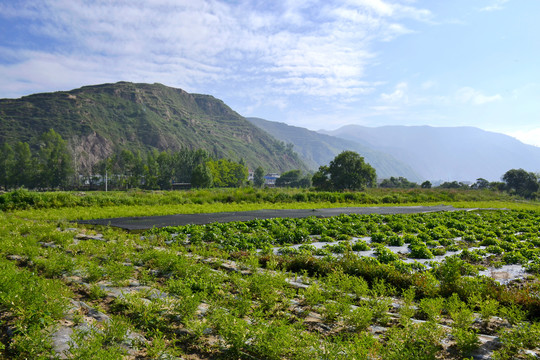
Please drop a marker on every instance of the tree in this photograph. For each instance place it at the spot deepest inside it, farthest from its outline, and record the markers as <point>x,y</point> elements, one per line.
<point>227,173</point>
<point>201,177</point>
<point>426,185</point>
<point>151,170</point>
<point>399,182</point>
<point>289,178</point>
<point>347,171</point>
<point>321,179</point>
<point>55,164</point>
<point>480,184</point>
<point>104,169</point>
<point>258,177</point>
<point>293,178</point>
<point>453,185</point>
<point>521,182</point>
<point>125,164</point>
<point>497,185</point>
<point>165,171</point>
<point>24,169</point>
<point>6,165</point>
<point>305,182</point>
<point>185,161</point>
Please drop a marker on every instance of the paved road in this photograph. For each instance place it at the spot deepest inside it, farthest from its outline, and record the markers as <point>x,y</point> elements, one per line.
<point>148,222</point>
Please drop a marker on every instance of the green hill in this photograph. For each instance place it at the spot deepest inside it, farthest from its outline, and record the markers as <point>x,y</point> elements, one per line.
<point>319,149</point>
<point>99,120</point>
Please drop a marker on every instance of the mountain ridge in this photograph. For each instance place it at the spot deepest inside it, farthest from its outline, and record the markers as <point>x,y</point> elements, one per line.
<point>462,153</point>
<point>98,120</point>
<point>319,149</point>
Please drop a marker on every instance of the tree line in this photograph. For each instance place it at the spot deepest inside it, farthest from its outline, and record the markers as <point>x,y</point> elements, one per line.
<point>348,171</point>
<point>48,164</point>
<point>167,170</point>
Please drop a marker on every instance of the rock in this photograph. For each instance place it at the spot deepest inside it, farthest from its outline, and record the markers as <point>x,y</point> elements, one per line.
<point>61,341</point>
<point>95,314</point>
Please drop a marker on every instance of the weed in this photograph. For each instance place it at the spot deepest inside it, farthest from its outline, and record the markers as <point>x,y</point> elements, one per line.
<point>360,318</point>
<point>515,340</point>
<point>414,342</point>
<point>466,340</point>
<point>95,292</point>
<point>432,308</point>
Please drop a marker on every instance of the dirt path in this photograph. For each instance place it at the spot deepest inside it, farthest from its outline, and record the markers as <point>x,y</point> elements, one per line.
<point>148,222</point>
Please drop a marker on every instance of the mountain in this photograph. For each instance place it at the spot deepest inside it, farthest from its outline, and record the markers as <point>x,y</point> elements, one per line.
<point>99,120</point>
<point>447,153</point>
<point>319,149</point>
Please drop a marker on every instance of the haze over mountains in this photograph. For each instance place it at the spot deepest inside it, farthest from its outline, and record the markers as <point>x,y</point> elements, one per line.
<point>319,149</point>
<point>102,119</point>
<point>447,153</point>
<point>415,152</point>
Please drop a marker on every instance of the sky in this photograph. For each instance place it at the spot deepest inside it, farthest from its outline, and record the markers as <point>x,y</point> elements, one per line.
<point>319,64</point>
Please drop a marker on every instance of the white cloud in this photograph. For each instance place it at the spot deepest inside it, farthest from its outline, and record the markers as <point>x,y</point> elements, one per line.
<point>495,6</point>
<point>309,47</point>
<point>531,137</point>
<point>475,97</point>
<point>392,9</point>
<point>398,96</point>
<point>429,84</point>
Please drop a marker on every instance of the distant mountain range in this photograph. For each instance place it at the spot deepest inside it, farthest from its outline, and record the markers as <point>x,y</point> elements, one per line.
<point>99,120</point>
<point>417,153</point>
<point>102,119</point>
<point>447,153</point>
<point>317,149</point>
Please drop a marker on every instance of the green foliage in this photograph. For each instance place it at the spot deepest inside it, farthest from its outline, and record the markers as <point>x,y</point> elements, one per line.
<point>419,250</point>
<point>384,255</point>
<point>24,171</point>
<point>415,341</point>
<point>399,182</point>
<point>202,177</point>
<point>521,182</point>
<point>54,161</point>
<point>258,177</point>
<point>466,340</point>
<point>360,317</point>
<point>293,178</point>
<point>226,173</point>
<point>145,203</point>
<point>208,292</point>
<point>151,116</point>
<point>7,160</point>
<point>346,172</point>
<point>432,308</point>
<point>516,339</point>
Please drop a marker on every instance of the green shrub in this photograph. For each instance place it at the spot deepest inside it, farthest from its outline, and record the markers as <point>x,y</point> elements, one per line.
<point>360,245</point>
<point>395,240</point>
<point>384,255</point>
<point>419,250</point>
<point>360,318</point>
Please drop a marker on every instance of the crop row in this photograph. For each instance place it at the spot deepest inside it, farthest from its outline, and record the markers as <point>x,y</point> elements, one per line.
<point>206,292</point>
<point>24,199</point>
<point>494,237</point>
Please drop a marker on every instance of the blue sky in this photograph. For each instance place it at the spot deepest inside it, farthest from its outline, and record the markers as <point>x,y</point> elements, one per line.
<point>316,64</point>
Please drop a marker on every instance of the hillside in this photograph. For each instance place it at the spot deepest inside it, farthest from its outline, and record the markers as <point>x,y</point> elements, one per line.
<point>448,153</point>
<point>319,149</point>
<point>98,120</point>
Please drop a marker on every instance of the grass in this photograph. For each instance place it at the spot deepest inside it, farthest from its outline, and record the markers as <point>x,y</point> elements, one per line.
<point>204,292</point>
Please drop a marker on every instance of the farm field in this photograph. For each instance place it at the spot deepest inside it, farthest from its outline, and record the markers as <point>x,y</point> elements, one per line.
<point>404,286</point>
